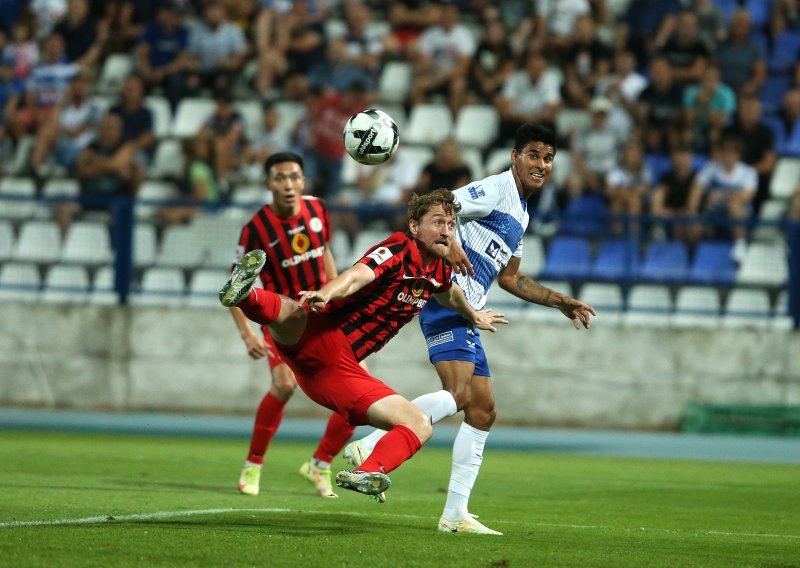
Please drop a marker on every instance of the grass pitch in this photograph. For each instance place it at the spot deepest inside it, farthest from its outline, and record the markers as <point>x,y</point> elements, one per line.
<point>83,500</point>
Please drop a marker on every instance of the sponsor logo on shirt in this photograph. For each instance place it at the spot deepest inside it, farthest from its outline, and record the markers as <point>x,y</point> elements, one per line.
<point>439,339</point>
<point>380,255</point>
<point>475,192</point>
<point>298,258</point>
<point>493,249</point>
<point>417,288</point>
<point>315,225</point>
<point>300,243</point>
<point>411,299</point>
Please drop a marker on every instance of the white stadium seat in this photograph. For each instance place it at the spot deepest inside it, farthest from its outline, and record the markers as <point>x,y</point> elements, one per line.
<point>784,178</point>
<point>66,283</point>
<point>747,308</point>
<point>429,123</point>
<point>179,248</point>
<point>289,114</point>
<point>697,306</point>
<point>499,160</point>
<point>204,287</point>
<point>149,196</point>
<point>418,156</point>
<point>6,240</point>
<point>115,70</point>
<point>605,298</point>
<point>570,120</point>
<point>474,161</point>
<point>252,117</point>
<point>764,263</point>
<point>144,244</point>
<point>19,282</point>
<point>102,292</point>
<point>162,115</point>
<point>38,241</point>
<point>61,187</point>
<point>394,82</point>
<point>533,256</point>
<point>168,159</point>
<point>476,125</point>
<point>22,188</point>
<point>191,115</point>
<point>160,286</point>
<point>87,243</point>
<point>648,305</point>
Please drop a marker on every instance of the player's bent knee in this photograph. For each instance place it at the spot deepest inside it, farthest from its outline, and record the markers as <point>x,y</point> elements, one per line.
<point>419,423</point>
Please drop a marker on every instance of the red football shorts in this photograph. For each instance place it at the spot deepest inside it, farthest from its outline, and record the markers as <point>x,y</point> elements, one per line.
<point>329,374</point>
<point>273,355</point>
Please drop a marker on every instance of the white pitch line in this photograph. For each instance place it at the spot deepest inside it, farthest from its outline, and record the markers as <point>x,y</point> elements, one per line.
<point>108,519</point>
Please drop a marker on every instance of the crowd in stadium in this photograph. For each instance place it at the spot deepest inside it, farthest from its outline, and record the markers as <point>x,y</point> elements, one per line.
<point>658,89</point>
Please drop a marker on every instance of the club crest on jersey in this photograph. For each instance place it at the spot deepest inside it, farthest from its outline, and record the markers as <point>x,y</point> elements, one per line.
<point>417,288</point>
<point>380,255</point>
<point>300,243</point>
<point>315,225</point>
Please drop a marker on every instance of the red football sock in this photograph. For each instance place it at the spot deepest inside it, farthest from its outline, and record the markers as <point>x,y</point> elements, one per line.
<point>399,444</point>
<point>268,418</point>
<point>336,435</point>
<point>261,306</point>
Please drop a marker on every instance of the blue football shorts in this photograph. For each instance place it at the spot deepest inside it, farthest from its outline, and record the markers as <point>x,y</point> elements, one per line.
<point>451,338</point>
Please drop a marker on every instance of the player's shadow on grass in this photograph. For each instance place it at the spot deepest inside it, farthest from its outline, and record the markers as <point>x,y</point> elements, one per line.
<point>300,525</point>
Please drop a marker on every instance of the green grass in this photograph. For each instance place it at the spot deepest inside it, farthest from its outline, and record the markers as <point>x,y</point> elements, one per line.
<point>555,510</point>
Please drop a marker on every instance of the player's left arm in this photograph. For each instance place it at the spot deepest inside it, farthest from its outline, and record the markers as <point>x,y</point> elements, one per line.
<point>347,283</point>
<point>455,300</point>
<point>526,288</point>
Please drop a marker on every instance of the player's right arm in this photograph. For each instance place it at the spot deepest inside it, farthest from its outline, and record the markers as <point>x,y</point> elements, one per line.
<point>346,284</point>
<point>255,344</point>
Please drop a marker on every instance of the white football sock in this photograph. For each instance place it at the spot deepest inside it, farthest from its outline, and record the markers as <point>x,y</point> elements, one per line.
<point>438,405</point>
<point>248,463</point>
<point>467,458</point>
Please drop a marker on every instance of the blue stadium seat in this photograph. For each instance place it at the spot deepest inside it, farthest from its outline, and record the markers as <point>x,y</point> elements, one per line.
<point>759,11</point>
<point>699,160</point>
<point>585,215</point>
<point>775,123</point>
<point>665,261</point>
<point>713,264</point>
<point>728,7</point>
<point>771,94</point>
<point>791,146</point>
<point>567,258</point>
<point>785,48</point>
<point>616,259</point>
<point>659,164</point>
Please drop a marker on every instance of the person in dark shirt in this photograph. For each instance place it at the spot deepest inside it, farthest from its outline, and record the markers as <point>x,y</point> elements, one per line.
<point>672,196</point>
<point>758,148</point>
<point>586,62</point>
<point>492,64</point>
<point>446,170</point>
<point>685,51</point>
<point>137,120</point>
<point>660,107</point>
<point>84,37</point>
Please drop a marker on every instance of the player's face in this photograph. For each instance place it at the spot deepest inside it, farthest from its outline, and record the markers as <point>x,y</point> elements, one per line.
<point>532,166</point>
<point>286,182</point>
<point>434,232</point>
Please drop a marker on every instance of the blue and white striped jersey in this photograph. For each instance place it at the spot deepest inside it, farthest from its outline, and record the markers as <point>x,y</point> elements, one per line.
<point>491,223</point>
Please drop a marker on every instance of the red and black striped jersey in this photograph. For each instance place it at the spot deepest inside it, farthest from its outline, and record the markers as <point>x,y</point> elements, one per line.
<point>294,246</point>
<point>402,285</point>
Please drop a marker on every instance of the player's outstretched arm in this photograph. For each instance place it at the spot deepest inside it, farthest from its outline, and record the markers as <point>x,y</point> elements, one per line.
<point>526,288</point>
<point>482,319</point>
<point>458,259</point>
<point>348,282</point>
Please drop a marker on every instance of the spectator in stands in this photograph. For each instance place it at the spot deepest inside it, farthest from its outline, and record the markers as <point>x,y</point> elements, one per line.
<point>223,135</point>
<point>447,169</point>
<point>408,19</point>
<point>623,88</point>
<point>790,110</point>
<point>442,59</point>
<point>673,197</point>
<point>659,108</point>
<point>710,22</point>
<point>740,58</point>
<point>758,145</point>
<point>106,168</point>
<point>531,94</point>
<point>337,71</point>
<point>306,45</point>
<point>586,61</point>
<point>646,26</point>
<point>556,25</point>
<point>198,183</point>
<point>365,45</point>
<point>84,37</point>
<point>492,64</point>
<point>72,128</point>
<point>627,185</point>
<point>23,51</point>
<point>272,42</point>
<point>785,15</point>
<point>727,186</point>
<point>137,119</point>
<point>594,151</point>
<point>688,56</point>
<point>47,14</point>
<point>324,146</point>
<point>12,89</point>
<point>707,108</point>
<point>219,47</point>
<point>45,87</point>
<point>162,56</point>
<point>272,138</point>
<point>129,18</point>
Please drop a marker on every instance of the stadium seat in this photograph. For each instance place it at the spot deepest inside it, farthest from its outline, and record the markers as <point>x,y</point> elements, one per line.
<point>501,301</point>
<point>190,116</point>
<point>778,128</point>
<point>394,82</point>
<point>61,187</point>
<point>21,158</point>
<point>398,114</point>
<point>616,259</point>
<point>785,49</point>
<point>168,160</point>
<point>605,298</point>
<point>145,241</point>
<point>532,256</point>
<point>585,215</point>
<point>204,287</point>
<point>764,264</point>
<point>419,156</point>
<point>791,146</point>
<point>160,286</point>
<point>66,283</point>
<point>87,243</point>
<point>561,166</point>
<point>429,124</point>
<point>335,28</point>
<point>713,264</point>
<point>697,306</point>
<point>769,217</point>
<point>151,193</point>
<point>728,7</point>
<point>648,305</point>
<point>499,160</point>
<point>474,161</point>
<point>179,248</point>
<point>772,92</point>
<point>289,114</point>
<point>6,240</point>
<point>218,236</point>
<point>569,120</point>
<point>659,164</point>
<point>784,178</point>
<point>16,277</point>
<point>21,202</point>
<point>102,292</point>
<point>252,117</point>
<point>162,114</point>
<point>567,258</point>
<point>759,11</point>
<point>665,262</point>
<point>476,126</point>
<point>366,239</point>
<point>746,307</point>
<point>340,248</point>
<point>116,69</point>
<point>39,242</point>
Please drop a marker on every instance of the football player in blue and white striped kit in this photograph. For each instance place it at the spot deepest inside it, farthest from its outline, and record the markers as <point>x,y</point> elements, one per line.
<point>491,224</point>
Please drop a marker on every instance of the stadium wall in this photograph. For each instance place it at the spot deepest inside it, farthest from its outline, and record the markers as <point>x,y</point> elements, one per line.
<point>192,360</point>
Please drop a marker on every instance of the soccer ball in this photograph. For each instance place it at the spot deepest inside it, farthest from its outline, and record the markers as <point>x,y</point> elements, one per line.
<point>371,137</point>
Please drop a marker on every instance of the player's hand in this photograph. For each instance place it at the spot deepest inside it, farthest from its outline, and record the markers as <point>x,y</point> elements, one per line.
<point>486,320</point>
<point>458,259</point>
<point>257,348</point>
<point>577,311</point>
<point>314,299</point>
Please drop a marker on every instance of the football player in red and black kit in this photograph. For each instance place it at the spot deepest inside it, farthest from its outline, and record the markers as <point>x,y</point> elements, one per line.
<point>324,336</point>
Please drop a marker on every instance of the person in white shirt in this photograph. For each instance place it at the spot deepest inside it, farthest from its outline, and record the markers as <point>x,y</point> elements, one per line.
<point>491,224</point>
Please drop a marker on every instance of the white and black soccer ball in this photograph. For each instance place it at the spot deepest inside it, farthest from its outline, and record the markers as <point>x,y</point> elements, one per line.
<point>371,137</point>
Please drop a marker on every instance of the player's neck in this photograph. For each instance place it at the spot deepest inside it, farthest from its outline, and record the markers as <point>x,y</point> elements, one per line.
<point>285,212</point>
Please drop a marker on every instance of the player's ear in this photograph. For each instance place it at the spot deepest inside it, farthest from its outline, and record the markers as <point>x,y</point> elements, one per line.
<point>413,226</point>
